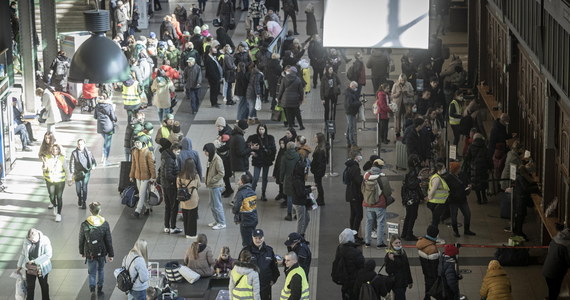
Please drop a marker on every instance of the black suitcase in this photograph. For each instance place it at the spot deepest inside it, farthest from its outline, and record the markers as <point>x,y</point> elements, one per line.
<point>124,172</point>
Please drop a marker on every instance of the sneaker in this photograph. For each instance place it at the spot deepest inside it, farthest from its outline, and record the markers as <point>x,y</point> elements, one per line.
<point>50,206</point>
<point>374,234</point>
<point>166,230</point>
<point>212,224</point>
<point>367,245</point>
<point>381,246</point>
<point>58,218</point>
<point>83,206</point>
<point>232,203</point>
<point>190,236</point>
<point>219,226</point>
<point>55,210</point>
<point>288,218</point>
<point>136,214</point>
<point>175,230</point>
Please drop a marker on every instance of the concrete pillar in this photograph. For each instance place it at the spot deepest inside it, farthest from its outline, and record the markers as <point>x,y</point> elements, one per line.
<point>26,11</point>
<point>49,32</point>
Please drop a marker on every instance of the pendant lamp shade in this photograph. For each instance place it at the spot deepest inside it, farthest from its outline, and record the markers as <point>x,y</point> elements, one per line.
<point>98,59</point>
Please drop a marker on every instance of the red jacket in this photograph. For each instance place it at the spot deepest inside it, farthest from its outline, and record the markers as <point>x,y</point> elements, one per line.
<point>382,103</point>
<point>171,72</point>
<point>90,91</point>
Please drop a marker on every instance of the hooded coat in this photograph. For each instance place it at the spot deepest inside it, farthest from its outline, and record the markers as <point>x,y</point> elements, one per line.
<point>280,153</point>
<point>251,271</point>
<point>105,114</point>
<point>239,151</point>
<point>353,258</point>
<point>447,269</point>
<point>379,65</point>
<point>266,152</point>
<point>557,260</point>
<point>496,284</point>
<point>162,87</point>
<point>44,254</point>
<point>291,91</point>
<point>399,267</point>
<point>188,152</point>
<point>95,223</point>
<point>168,169</point>
<point>479,164</point>
<point>288,162</point>
<point>353,181</point>
<point>366,274</point>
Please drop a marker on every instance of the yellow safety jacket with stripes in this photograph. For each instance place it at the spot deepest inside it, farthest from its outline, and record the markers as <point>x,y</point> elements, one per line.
<point>131,94</point>
<point>452,120</point>
<point>242,290</point>
<point>442,191</point>
<point>286,291</point>
<point>54,168</point>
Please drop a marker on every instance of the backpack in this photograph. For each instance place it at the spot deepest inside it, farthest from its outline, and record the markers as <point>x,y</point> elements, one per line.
<point>367,292</point>
<point>339,272</point>
<point>61,68</point>
<point>352,73</point>
<point>129,196</point>
<point>182,193</point>
<point>124,281</point>
<point>95,241</point>
<point>371,191</point>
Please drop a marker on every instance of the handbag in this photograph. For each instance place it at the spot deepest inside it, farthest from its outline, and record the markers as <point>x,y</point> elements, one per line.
<point>258,103</point>
<point>276,115</point>
<point>190,275</point>
<point>384,282</point>
<point>393,107</point>
<point>172,270</point>
<point>32,269</point>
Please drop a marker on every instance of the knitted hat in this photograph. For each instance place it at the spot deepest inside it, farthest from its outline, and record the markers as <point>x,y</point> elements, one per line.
<point>432,231</point>
<point>152,35</point>
<point>137,128</point>
<point>450,250</point>
<point>220,121</point>
<point>197,30</point>
<point>225,137</point>
<point>293,69</point>
<point>242,124</point>
<point>148,126</point>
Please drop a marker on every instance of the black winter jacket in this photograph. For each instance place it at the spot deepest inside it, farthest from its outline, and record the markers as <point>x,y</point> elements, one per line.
<point>264,258</point>
<point>457,193</point>
<point>242,81</point>
<point>351,102</point>
<point>239,151</point>
<point>84,231</point>
<point>286,168</point>
<point>446,269</point>
<point>353,181</point>
<point>411,190</point>
<point>479,164</point>
<point>557,260</point>
<point>330,86</point>
<point>366,274</point>
<point>400,268</point>
<point>213,73</point>
<point>266,153</point>
<point>498,135</point>
<point>319,163</point>
<point>303,254</point>
<point>353,258</point>
<point>168,169</point>
<point>291,91</point>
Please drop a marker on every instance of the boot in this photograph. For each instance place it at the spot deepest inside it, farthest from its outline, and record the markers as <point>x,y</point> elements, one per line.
<point>455,232</point>
<point>83,206</point>
<point>92,289</point>
<point>288,217</point>
<point>99,290</point>
<point>263,198</point>
<point>467,231</point>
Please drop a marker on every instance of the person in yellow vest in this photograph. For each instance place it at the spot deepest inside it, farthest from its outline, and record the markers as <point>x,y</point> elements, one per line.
<point>455,112</point>
<point>296,285</point>
<point>437,194</point>
<point>131,97</point>
<point>165,128</point>
<point>55,174</point>
<point>244,279</point>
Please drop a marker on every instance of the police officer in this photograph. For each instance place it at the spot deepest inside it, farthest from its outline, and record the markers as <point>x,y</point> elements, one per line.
<point>264,257</point>
<point>297,244</point>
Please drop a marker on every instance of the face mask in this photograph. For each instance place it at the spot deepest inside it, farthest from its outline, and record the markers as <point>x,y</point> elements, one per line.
<point>443,171</point>
<point>230,51</point>
<point>397,248</point>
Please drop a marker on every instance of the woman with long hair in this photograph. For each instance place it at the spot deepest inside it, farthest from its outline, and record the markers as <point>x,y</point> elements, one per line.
<point>188,178</point>
<point>290,136</point>
<point>319,165</point>
<point>105,114</point>
<point>397,265</point>
<point>383,113</point>
<point>244,278</point>
<point>136,262</point>
<point>264,150</point>
<point>330,89</point>
<point>55,174</point>
<point>47,144</point>
<point>199,257</point>
<point>214,182</point>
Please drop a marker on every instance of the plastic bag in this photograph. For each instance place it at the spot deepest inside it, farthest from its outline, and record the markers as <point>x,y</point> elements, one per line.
<point>258,103</point>
<point>21,286</point>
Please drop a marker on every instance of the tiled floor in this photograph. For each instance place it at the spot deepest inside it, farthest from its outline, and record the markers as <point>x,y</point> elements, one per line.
<point>24,206</point>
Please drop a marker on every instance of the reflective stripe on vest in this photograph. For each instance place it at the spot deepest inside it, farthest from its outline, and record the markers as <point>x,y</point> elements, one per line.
<point>243,290</point>
<point>441,193</point>
<point>286,291</point>
<point>131,94</point>
<point>452,120</point>
<point>55,170</point>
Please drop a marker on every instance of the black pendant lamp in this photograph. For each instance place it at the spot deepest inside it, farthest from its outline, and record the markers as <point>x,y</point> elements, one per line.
<point>98,59</point>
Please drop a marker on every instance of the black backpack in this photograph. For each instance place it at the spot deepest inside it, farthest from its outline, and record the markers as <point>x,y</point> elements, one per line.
<point>352,73</point>
<point>182,193</point>
<point>95,238</point>
<point>367,292</point>
<point>339,272</point>
<point>61,68</point>
<point>124,281</point>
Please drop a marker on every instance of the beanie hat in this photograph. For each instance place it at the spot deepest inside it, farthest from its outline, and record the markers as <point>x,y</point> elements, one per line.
<point>152,35</point>
<point>220,121</point>
<point>169,117</point>
<point>432,231</point>
<point>293,69</point>
<point>418,122</point>
<point>450,250</point>
<point>137,128</point>
<point>148,126</point>
<point>242,124</point>
<point>225,137</point>
<point>197,30</point>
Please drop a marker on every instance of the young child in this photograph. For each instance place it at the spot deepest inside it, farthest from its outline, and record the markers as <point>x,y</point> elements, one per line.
<point>224,262</point>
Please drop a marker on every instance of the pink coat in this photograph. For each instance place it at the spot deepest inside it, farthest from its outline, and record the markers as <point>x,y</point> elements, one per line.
<point>382,102</point>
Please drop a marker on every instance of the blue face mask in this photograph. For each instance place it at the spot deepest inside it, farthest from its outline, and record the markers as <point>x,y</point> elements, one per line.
<point>397,248</point>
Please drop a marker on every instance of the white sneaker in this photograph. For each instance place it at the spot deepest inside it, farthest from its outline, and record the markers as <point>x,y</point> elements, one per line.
<point>175,230</point>
<point>58,218</point>
<point>190,236</point>
<point>219,226</point>
<point>374,234</point>
<point>166,230</point>
<point>232,203</point>
<point>55,210</point>
<point>50,206</point>
<point>212,224</point>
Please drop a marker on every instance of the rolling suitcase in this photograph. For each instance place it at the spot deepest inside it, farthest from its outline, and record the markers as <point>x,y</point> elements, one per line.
<point>401,156</point>
<point>124,172</point>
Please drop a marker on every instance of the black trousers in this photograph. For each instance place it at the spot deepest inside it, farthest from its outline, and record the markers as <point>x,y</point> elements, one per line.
<point>330,108</point>
<point>456,134</point>
<point>214,91</point>
<point>190,219</point>
<point>318,71</point>
<point>383,130</point>
<point>265,292</point>
<point>436,212</point>
<point>157,5</point>
<point>410,220</point>
<point>293,18</point>
<point>170,206</point>
<point>464,208</point>
<point>355,215</point>
<point>319,184</point>
<point>554,285</point>
<point>31,281</point>
<point>292,113</point>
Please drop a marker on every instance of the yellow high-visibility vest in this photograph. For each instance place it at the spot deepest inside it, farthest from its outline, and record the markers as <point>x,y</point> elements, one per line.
<point>452,120</point>
<point>441,193</point>
<point>286,291</point>
<point>243,290</point>
<point>55,168</point>
<point>131,94</point>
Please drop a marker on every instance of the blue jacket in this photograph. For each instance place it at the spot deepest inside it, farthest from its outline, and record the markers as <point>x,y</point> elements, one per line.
<point>186,153</point>
<point>245,205</point>
<point>137,269</point>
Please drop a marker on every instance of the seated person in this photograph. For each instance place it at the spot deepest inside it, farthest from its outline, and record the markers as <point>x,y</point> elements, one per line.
<point>199,257</point>
<point>224,262</point>
<point>20,127</point>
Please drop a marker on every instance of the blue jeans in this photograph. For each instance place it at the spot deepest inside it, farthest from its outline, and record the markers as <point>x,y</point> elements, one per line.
<point>302,219</point>
<point>379,215</point>
<point>21,130</point>
<point>351,130</point>
<point>137,295</point>
<point>162,112</point>
<point>107,139</point>
<point>81,187</point>
<point>192,94</point>
<point>251,105</point>
<point>216,205</point>
<point>289,204</point>
<point>256,171</point>
<point>95,269</point>
<point>228,91</point>
<point>127,154</point>
<point>243,108</point>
